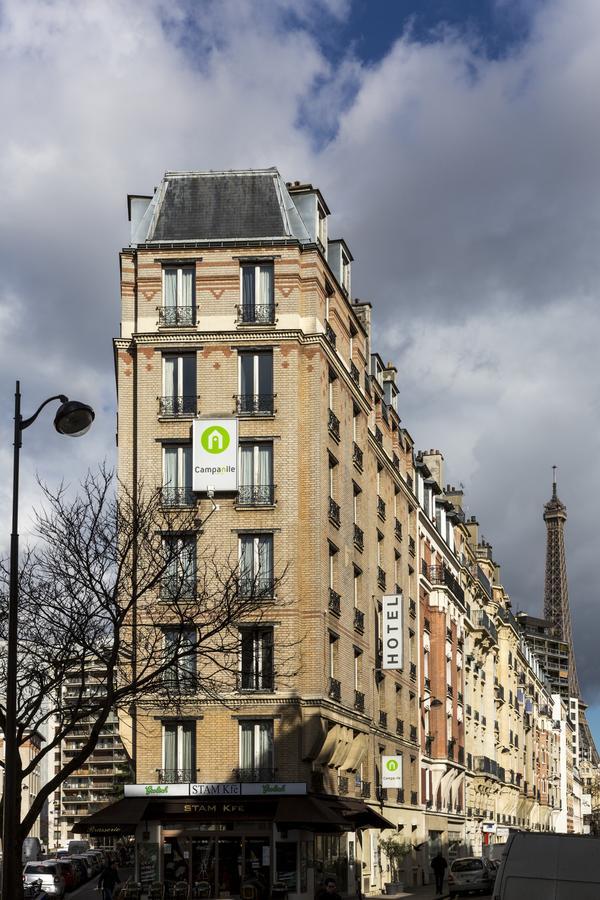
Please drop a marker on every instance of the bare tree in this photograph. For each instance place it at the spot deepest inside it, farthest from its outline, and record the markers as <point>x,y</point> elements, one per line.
<point>118,595</point>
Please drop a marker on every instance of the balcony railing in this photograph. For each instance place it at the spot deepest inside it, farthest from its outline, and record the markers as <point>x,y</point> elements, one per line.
<point>342,784</point>
<point>396,461</point>
<point>382,793</point>
<point>173,587</point>
<point>443,576</point>
<point>413,672</point>
<point>359,620</point>
<point>333,423</point>
<point>400,795</point>
<point>359,701</point>
<point>379,435</point>
<point>357,456</point>
<point>256,495</point>
<point>397,530</point>
<point>399,726</point>
<point>253,775</point>
<point>381,508</point>
<point>411,546</point>
<point>177,496</point>
<point>335,689</point>
<point>499,692</point>
<point>354,373</point>
<point>330,334</point>
<point>413,732</point>
<point>334,512</point>
<point>413,798</point>
<point>172,407</point>
<point>380,577</point>
<point>256,314</point>
<point>359,537</point>
<point>176,316</point>
<point>383,719</point>
<point>177,776</point>
<point>365,789</point>
<point>259,586</point>
<point>412,608</point>
<point>335,602</point>
<point>484,623</point>
<point>255,404</point>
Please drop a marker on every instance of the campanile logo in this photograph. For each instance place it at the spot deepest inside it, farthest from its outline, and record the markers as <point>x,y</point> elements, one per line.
<point>215,439</point>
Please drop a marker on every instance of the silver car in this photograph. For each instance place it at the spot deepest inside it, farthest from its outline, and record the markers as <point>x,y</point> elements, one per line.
<point>49,872</point>
<point>470,874</point>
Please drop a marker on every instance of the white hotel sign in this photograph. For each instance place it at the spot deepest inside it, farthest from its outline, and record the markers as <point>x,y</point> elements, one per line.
<point>391,616</point>
<point>214,455</point>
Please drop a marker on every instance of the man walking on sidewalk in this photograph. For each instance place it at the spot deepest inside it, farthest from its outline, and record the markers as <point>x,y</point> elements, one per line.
<point>439,865</point>
<point>108,881</point>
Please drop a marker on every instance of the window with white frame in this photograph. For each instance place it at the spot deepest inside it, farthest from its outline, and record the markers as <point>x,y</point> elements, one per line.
<point>257,293</point>
<point>179,385</point>
<point>256,486</point>
<point>177,475</point>
<point>256,382</point>
<point>180,656</point>
<point>257,756</point>
<point>178,295</point>
<point>179,578</point>
<point>179,752</point>
<point>256,658</point>
<point>256,565</point>
<point>333,654</point>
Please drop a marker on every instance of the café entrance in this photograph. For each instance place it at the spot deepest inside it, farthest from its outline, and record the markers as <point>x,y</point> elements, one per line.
<point>218,865</point>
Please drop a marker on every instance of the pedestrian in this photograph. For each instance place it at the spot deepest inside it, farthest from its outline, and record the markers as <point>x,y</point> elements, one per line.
<point>439,866</point>
<point>328,891</point>
<point>108,880</point>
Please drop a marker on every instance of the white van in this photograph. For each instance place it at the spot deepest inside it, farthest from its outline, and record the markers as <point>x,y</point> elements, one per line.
<point>549,867</point>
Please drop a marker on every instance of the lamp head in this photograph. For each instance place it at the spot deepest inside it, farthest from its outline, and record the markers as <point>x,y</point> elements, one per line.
<point>73,418</point>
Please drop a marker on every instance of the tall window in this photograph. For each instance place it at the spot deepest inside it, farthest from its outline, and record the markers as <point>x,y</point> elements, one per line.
<point>256,565</point>
<point>177,475</point>
<point>256,750</point>
<point>179,752</point>
<point>256,383</point>
<point>178,295</point>
<point>258,300</point>
<point>256,474</point>
<point>179,647</point>
<point>179,385</point>
<point>179,579</point>
<point>257,659</point>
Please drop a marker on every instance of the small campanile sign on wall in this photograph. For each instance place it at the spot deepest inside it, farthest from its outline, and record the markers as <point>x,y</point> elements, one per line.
<point>214,455</point>
<point>391,614</point>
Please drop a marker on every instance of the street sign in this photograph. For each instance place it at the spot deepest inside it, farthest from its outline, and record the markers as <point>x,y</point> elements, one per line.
<point>214,455</point>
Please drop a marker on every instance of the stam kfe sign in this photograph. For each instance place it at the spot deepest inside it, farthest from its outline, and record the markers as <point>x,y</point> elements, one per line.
<point>391,615</point>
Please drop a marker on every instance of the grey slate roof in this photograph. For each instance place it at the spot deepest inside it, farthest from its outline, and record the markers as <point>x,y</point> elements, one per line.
<point>222,206</point>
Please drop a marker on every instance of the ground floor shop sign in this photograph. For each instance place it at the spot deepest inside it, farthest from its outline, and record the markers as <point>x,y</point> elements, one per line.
<point>149,862</point>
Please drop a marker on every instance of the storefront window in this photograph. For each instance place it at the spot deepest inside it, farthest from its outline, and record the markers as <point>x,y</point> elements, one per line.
<point>331,859</point>
<point>286,855</point>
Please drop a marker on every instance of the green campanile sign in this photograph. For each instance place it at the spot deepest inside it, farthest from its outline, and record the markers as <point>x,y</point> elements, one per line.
<point>214,455</point>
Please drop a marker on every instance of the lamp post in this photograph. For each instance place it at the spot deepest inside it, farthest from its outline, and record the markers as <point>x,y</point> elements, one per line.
<point>74,419</point>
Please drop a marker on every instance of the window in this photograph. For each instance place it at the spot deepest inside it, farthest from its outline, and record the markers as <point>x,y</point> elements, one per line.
<point>333,551</point>
<point>258,301</point>
<point>322,225</point>
<point>256,659</point>
<point>333,654</point>
<point>345,272</point>
<point>177,475</point>
<point>179,385</point>
<point>178,296</point>
<point>256,383</point>
<point>357,668</point>
<point>179,752</point>
<point>256,565</point>
<point>179,578</point>
<point>357,584</point>
<point>180,648</point>
<point>256,750</point>
<point>256,474</point>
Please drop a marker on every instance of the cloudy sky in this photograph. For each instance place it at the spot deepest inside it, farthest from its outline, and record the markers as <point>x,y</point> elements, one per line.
<point>457,143</point>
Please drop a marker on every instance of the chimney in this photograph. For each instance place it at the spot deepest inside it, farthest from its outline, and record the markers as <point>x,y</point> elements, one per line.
<point>473,529</point>
<point>454,495</point>
<point>434,461</point>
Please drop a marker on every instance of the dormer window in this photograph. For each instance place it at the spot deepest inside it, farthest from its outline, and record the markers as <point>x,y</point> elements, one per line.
<point>322,225</point>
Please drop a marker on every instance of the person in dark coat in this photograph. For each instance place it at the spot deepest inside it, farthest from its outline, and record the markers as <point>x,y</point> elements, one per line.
<point>328,891</point>
<point>439,866</point>
<point>109,879</point>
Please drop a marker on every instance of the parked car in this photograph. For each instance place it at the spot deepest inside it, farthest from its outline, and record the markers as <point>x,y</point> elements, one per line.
<point>86,863</point>
<point>79,846</point>
<point>49,872</point>
<point>94,861</point>
<point>80,867</point>
<point>543,866</point>
<point>70,874</point>
<point>470,874</point>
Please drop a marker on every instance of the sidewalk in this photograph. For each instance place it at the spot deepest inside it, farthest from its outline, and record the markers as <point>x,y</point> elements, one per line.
<point>426,892</point>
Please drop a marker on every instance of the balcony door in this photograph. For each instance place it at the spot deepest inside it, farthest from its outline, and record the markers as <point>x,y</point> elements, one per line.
<point>179,763</point>
<point>256,474</point>
<point>256,382</point>
<point>258,304</point>
<point>256,750</point>
<point>177,475</point>
<point>178,295</point>
<point>179,385</point>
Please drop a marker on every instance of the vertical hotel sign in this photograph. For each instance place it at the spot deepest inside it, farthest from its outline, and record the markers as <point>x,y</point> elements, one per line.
<point>391,615</point>
<point>214,455</point>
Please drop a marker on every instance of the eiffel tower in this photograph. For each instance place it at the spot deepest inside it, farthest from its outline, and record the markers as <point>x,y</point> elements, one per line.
<point>557,611</point>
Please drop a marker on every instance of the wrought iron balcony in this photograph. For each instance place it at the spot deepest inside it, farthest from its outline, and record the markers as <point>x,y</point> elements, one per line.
<point>333,424</point>
<point>400,796</point>
<point>335,602</point>
<point>379,435</point>
<point>365,789</point>
<point>177,776</point>
<point>381,577</point>
<point>397,530</point>
<point>256,681</point>
<point>256,314</point>
<point>381,508</point>
<point>253,775</point>
<point>173,407</point>
<point>176,316</point>
<point>334,512</point>
<point>412,608</point>
<point>396,461</point>
<point>413,732</point>
<point>259,586</point>
<point>255,404</point>
<point>256,495</point>
<point>461,756</point>
<point>354,373</point>
<point>399,726</point>
<point>342,784</point>
<point>413,672</point>
<point>414,798</point>
<point>175,587</point>
<point>443,576</point>
<point>382,793</point>
<point>177,496</point>
<point>411,546</point>
<point>359,620</point>
<point>449,690</point>
<point>499,693</point>
<point>335,689</point>
<point>359,537</point>
<point>330,334</point>
<point>383,719</point>
<point>359,701</point>
<point>484,623</point>
<point>357,456</point>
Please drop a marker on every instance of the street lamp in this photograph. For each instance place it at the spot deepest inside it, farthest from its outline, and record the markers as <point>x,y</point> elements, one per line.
<point>434,704</point>
<point>73,419</point>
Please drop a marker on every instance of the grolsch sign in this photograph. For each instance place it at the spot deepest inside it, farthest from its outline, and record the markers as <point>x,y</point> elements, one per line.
<point>391,615</point>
